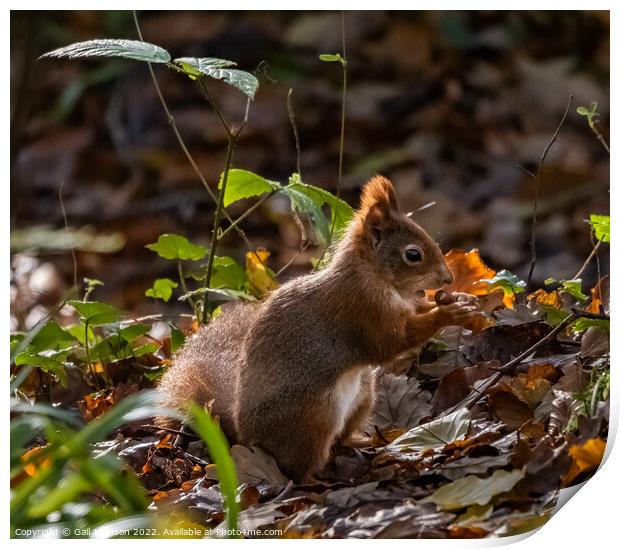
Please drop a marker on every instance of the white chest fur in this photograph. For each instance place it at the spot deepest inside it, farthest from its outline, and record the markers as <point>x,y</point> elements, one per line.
<point>345,397</point>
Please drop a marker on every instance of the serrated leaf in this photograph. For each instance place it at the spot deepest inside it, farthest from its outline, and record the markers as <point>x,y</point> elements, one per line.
<point>435,434</point>
<point>339,209</point>
<point>600,224</point>
<point>162,289</point>
<point>218,69</point>
<point>473,490</point>
<point>244,184</point>
<point>301,203</point>
<point>175,246</point>
<point>111,47</point>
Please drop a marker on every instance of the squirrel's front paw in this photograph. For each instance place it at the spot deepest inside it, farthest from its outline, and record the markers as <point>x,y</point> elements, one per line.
<point>458,312</point>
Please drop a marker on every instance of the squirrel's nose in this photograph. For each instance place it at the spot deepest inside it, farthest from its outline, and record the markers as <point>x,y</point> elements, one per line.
<point>448,277</point>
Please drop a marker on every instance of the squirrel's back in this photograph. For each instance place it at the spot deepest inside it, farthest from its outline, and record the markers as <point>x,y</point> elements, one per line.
<point>205,370</point>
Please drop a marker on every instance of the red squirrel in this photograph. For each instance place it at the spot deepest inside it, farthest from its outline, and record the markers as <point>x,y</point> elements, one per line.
<point>293,373</point>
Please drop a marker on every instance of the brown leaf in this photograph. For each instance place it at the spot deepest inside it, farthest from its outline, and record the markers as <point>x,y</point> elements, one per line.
<point>399,402</point>
<point>256,467</point>
<point>457,384</point>
<point>508,406</point>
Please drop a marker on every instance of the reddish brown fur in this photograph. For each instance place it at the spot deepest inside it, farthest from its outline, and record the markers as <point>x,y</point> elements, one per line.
<point>292,374</point>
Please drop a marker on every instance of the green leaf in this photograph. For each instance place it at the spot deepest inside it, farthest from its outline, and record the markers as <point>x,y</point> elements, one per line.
<point>227,273</point>
<point>177,338</point>
<point>219,69</point>
<point>302,203</point>
<point>224,292</point>
<point>473,490</point>
<point>108,47</point>
<point>510,283</point>
<point>45,363</point>
<point>244,184</point>
<point>162,289</point>
<point>134,331</point>
<point>338,208</point>
<point>582,324</point>
<point>573,287</point>
<point>600,224</point>
<point>435,434</point>
<point>146,349</point>
<point>96,312</point>
<point>213,437</point>
<point>175,246</point>
<point>332,58</point>
<point>50,336</point>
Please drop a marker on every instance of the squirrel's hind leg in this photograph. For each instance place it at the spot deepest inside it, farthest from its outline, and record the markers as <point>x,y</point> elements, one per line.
<point>353,433</point>
<point>300,440</point>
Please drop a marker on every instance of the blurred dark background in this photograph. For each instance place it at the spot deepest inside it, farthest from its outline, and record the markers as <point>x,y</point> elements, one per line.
<point>446,104</point>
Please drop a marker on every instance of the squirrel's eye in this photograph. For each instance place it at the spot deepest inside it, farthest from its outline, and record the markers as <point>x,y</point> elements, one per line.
<point>412,255</point>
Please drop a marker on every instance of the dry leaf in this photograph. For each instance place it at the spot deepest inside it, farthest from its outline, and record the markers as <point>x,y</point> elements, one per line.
<point>259,277</point>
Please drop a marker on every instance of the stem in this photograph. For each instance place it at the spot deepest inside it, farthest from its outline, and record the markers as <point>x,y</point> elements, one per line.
<point>87,349</point>
<point>180,140</point>
<point>342,128</point>
<point>587,261</point>
<point>216,225</point>
<point>184,286</point>
<point>245,214</point>
<point>600,137</point>
<point>291,117</point>
<point>537,191</point>
<point>64,216</point>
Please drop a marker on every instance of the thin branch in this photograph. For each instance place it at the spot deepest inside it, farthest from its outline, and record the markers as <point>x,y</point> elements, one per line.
<point>64,216</point>
<point>245,214</point>
<point>593,253</point>
<point>179,138</point>
<point>342,128</point>
<point>537,190</point>
<point>473,397</point>
<point>293,121</point>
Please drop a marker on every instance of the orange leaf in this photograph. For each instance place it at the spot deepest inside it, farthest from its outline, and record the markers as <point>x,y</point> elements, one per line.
<point>260,279</point>
<point>586,456</point>
<point>468,270</point>
<point>165,442</point>
<point>34,463</point>
<point>543,297</point>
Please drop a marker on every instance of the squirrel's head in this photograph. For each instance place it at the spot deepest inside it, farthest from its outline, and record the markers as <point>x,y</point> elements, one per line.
<point>405,255</point>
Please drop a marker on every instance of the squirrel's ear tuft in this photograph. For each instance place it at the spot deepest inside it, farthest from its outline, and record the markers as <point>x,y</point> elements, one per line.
<point>377,207</point>
<point>380,191</point>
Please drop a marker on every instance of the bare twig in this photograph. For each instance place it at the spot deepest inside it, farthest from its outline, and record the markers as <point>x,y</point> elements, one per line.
<point>233,135</point>
<point>64,216</point>
<point>342,128</point>
<point>293,121</point>
<point>593,253</point>
<point>537,178</point>
<point>245,214</point>
<point>175,129</point>
<point>470,400</point>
